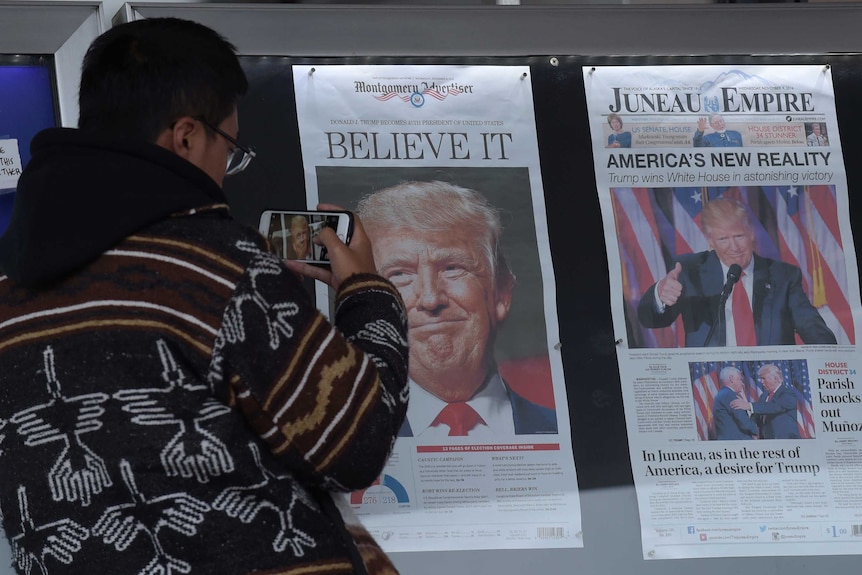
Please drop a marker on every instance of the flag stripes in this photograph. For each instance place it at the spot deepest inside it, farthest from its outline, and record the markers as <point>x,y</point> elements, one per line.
<point>794,224</point>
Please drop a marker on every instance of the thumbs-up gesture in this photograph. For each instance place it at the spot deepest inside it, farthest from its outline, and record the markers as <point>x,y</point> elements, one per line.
<point>669,288</point>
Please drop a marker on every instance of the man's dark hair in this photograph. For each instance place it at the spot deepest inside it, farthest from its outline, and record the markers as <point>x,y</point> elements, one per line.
<point>140,77</point>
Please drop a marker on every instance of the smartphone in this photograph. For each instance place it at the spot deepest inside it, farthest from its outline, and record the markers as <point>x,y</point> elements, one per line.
<point>291,232</point>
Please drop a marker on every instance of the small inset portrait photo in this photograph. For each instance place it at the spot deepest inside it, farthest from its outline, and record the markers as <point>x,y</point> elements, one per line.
<point>618,136</point>
<point>815,134</point>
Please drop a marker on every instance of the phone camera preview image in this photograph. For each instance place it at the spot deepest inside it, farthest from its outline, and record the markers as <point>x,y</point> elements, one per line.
<point>292,235</point>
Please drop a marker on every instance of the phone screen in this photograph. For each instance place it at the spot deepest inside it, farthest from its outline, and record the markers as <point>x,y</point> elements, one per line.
<point>291,233</point>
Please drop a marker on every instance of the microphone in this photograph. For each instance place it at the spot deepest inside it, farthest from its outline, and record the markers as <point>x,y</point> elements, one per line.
<point>733,274</point>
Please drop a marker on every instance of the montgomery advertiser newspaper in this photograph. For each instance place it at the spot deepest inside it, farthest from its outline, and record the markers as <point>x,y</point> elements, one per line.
<point>735,295</point>
<point>442,164</point>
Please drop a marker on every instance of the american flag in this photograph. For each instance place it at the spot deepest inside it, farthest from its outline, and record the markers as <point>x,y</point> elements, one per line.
<point>705,385</point>
<point>794,224</point>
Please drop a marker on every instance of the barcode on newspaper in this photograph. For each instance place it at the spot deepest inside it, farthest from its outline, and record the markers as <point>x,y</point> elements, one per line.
<point>550,532</point>
<point>857,530</point>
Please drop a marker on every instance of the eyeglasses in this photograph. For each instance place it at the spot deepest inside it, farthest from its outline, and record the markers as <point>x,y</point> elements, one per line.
<point>239,157</point>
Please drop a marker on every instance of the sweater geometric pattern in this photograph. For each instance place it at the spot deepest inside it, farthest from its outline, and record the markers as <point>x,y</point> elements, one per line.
<point>179,405</point>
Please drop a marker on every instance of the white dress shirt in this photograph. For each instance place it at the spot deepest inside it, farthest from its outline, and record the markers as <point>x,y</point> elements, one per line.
<point>491,402</point>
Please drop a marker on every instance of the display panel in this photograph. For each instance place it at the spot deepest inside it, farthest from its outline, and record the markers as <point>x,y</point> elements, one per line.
<point>28,104</point>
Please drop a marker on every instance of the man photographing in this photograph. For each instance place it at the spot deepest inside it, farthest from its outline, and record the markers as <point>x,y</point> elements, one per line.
<point>767,305</point>
<point>177,402</point>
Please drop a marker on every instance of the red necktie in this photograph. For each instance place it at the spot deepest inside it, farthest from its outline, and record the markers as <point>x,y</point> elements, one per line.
<point>743,319</point>
<point>460,418</point>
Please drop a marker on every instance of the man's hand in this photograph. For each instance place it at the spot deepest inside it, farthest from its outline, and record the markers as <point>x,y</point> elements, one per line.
<point>740,403</point>
<point>702,124</point>
<point>345,260</point>
<point>669,289</point>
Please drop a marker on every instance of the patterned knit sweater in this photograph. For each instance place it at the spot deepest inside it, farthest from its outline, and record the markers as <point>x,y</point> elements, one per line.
<point>174,402</point>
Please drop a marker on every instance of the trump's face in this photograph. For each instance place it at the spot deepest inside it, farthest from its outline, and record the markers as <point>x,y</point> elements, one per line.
<point>299,234</point>
<point>453,306</point>
<point>771,380</point>
<point>732,241</point>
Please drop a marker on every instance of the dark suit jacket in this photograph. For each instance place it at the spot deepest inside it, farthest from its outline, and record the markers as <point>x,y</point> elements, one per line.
<point>623,138</point>
<point>781,308</point>
<point>732,139</point>
<point>776,418</point>
<point>731,423</point>
<point>529,418</point>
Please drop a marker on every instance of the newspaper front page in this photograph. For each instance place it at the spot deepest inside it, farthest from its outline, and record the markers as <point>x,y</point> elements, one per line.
<point>735,294</point>
<point>454,149</point>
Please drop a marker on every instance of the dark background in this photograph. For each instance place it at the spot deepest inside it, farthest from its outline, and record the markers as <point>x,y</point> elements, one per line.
<point>28,104</point>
